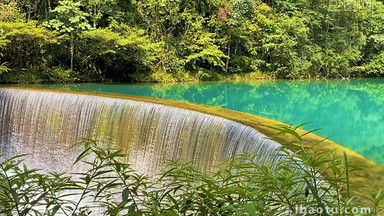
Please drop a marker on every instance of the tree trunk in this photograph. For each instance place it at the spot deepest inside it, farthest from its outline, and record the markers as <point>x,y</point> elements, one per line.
<point>72,51</point>
<point>49,6</point>
<point>229,54</point>
<point>94,19</point>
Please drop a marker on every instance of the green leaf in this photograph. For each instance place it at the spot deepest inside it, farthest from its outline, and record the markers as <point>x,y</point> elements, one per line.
<point>55,209</point>
<point>250,209</point>
<point>132,208</point>
<point>15,196</point>
<point>82,155</point>
<point>104,187</point>
<point>125,195</point>
<point>87,179</point>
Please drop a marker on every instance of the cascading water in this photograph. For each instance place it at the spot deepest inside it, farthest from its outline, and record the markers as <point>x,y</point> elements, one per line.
<point>46,125</point>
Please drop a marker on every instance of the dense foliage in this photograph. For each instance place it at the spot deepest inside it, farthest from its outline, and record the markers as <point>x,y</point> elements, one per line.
<point>183,40</point>
<point>240,186</point>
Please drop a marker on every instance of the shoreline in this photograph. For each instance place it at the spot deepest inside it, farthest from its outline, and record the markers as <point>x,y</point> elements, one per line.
<point>226,78</point>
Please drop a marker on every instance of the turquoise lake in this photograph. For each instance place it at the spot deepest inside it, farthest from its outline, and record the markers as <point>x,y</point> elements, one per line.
<point>350,113</point>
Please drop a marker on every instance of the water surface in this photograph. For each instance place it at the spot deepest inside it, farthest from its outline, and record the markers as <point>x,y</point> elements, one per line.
<point>348,112</point>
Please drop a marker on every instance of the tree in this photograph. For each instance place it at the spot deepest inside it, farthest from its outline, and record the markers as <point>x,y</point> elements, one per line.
<point>70,19</point>
<point>3,42</point>
<point>26,45</point>
<point>98,8</point>
<point>230,21</point>
<point>108,52</point>
<point>200,49</point>
<point>10,12</point>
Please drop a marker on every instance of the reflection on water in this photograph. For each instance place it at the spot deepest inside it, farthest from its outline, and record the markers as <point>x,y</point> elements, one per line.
<point>348,112</point>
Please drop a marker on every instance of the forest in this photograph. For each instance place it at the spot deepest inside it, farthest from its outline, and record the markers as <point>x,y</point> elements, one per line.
<point>51,41</point>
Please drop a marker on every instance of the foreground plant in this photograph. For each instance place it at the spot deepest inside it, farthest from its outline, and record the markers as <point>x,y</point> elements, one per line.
<point>239,186</point>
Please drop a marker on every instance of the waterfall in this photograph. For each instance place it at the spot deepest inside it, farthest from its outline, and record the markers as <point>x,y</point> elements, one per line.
<point>47,126</point>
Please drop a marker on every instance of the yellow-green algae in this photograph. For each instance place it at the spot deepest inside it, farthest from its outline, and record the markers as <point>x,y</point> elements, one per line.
<point>368,179</point>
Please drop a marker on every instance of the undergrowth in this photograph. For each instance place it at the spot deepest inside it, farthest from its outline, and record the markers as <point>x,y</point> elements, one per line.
<point>238,186</point>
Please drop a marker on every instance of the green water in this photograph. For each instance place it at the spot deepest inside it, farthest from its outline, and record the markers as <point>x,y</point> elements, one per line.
<point>348,112</point>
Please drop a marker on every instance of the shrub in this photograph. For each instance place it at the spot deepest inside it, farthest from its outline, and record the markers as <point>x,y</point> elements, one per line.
<point>239,186</point>
<point>26,45</point>
<point>59,75</point>
<point>115,53</point>
<point>21,77</point>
